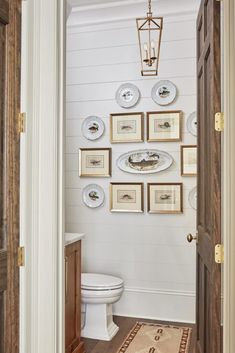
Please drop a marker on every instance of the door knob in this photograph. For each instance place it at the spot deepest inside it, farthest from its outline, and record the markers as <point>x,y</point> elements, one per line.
<point>190,238</point>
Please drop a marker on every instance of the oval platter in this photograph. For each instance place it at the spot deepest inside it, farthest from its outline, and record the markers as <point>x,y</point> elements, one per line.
<point>93,196</point>
<point>146,161</point>
<point>93,128</point>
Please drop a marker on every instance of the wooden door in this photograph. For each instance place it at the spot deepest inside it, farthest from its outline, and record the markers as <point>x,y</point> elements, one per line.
<point>9,173</point>
<point>209,338</point>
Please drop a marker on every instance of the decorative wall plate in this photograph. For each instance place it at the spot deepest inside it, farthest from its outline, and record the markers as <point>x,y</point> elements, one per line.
<point>93,196</point>
<point>192,123</point>
<point>144,161</point>
<point>93,128</point>
<point>192,198</point>
<point>127,95</point>
<point>164,92</point>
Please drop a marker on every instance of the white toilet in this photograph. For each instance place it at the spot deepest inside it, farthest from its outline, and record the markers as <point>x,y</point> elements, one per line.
<point>99,292</point>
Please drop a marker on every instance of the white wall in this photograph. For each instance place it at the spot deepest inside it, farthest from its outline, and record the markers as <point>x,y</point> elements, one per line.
<point>149,252</point>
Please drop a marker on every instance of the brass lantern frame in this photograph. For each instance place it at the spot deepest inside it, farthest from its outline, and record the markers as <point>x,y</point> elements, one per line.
<point>152,54</point>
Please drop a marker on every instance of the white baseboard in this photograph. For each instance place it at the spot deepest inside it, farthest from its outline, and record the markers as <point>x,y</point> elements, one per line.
<point>174,306</point>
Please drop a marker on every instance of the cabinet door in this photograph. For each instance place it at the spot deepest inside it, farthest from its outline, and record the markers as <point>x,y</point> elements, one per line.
<point>72,296</point>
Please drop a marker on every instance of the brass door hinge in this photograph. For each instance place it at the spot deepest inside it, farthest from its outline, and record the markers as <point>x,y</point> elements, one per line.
<point>21,256</point>
<point>22,122</point>
<point>219,122</point>
<point>219,253</point>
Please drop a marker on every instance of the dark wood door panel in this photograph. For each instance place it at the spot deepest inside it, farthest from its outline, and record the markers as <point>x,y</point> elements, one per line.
<point>10,53</point>
<point>4,12</point>
<point>208,297</point>
<point>3,270</point>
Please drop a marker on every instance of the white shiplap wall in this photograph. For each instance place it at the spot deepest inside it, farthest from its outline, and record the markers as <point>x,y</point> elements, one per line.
<point>149,252</point>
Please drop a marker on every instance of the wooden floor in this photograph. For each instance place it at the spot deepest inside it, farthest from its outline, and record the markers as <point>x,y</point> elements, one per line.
<point>125,324</point>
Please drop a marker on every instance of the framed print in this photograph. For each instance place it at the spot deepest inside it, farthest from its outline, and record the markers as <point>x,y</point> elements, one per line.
<point>95,162</point>
<point>127,127</point>
<point>165,198</point>
<point>188,160</point>
<point>127,197</point>
<point>164,126</point>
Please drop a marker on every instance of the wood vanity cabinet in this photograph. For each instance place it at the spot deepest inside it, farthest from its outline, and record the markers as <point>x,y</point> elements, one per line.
<point>73,343</point>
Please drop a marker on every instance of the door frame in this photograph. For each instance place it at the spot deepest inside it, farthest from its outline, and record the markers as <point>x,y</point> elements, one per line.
<point>42,199</point>
<point>229,176</point>
<point>42,180</point>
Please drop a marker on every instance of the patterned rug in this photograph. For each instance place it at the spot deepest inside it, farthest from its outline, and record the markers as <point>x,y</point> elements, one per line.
<point>154,338</point>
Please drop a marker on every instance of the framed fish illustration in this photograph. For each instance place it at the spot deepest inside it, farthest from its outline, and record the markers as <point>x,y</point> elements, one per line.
<point>126,127</point>
<point>95,162</point>
<point>127,197</point>
<point>165,198</point>
<point>164,126</point>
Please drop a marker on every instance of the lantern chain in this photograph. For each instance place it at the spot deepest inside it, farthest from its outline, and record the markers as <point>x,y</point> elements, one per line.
<point>150,8</point>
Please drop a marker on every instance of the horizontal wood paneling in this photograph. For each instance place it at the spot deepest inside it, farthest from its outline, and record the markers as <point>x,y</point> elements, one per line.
<point>73,181</point>
<point>129,71</point>
<point>84,213</point>
<point>142,272</point>
<point>106,91</point>
<point>126,23</point>
<point>127,36</point>
<point>147,251</point>
<point>72,144</point>
<point>104,108</point>
<point>169,235</point>
<point>184,48</point>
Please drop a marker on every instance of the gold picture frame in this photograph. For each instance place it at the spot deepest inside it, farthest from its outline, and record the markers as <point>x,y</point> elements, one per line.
<point>127,197</point>
<point>164,126</point>
<point>188,160</point>
<point>126,127</point>
<point>165,198</point>
<point>95,162</point>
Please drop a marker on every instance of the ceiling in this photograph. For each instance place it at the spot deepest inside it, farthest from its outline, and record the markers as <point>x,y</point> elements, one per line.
<point>81,12</point>
<point>90,2</point>
<point>82,3</point>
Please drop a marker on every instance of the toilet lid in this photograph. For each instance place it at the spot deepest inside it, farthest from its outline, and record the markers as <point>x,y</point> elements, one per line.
<point>95,281</point>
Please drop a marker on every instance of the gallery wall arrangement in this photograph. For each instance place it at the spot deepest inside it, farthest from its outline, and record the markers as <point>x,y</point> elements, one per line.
<point>148,248</point>
<point>131,127</point>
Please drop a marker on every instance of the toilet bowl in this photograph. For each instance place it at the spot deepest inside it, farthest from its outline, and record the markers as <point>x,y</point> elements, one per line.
<point>99,292</point>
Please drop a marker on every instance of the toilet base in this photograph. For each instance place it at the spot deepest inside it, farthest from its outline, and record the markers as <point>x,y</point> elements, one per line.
<point>99,322</point>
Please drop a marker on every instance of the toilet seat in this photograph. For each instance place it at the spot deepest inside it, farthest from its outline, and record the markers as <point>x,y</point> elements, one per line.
<point>99,282</point>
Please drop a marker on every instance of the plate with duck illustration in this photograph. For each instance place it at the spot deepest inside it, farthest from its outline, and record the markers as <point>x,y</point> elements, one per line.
<point>144,161</point>
<point>164,92</point>
<point>93,196</point>
<point>93,128</point>
<point>192,123</point>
